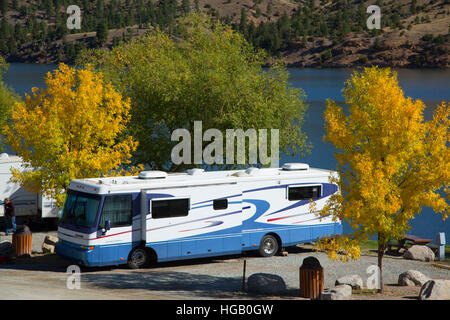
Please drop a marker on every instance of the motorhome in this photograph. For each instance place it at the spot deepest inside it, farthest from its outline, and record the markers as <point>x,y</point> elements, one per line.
<point>156,216</point>
<point>27,204</point>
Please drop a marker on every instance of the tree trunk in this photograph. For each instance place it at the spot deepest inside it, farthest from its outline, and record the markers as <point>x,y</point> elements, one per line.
<point>381,249</point>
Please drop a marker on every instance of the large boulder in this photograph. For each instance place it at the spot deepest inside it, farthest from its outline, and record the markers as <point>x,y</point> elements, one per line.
<point>435,290</point>
<point>354,280</point>
<point>412,278</point>
<point>6,249</point>
<point>339,292</point>
<point>48,246</point>
<point>417,252</point>
<point>50,240</point>
<point>264,283</point>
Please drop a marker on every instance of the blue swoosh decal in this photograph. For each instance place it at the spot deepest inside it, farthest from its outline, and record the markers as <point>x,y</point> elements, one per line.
<point>261,206</point>
<point>212,224</point>
<point>295,205</point>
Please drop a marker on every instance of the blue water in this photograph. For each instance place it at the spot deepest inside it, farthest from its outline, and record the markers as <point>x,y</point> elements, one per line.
<point>431,86</point>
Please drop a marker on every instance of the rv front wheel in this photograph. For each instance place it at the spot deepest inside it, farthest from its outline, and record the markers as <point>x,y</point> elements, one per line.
<point>138,258</point>
<point>268,246</point>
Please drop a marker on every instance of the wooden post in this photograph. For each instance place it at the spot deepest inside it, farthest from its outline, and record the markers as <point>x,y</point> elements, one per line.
<point>243,276</point>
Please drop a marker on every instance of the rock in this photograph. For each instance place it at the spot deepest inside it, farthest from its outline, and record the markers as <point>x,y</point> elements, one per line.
<point>354,280</point>
<point>435,290</point>
<point>412,278</point>
<point>50,240</point>
<point>6,249</point>
<point>264,283</point>
<point>48,248</point>
<point>339,292</point>
<point>417,252</point>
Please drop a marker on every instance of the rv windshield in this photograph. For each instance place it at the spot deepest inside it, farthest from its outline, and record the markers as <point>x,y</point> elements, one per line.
<point>80,209</point>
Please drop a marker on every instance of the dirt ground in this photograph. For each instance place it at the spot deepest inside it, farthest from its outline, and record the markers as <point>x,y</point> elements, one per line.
<point>46,277</point>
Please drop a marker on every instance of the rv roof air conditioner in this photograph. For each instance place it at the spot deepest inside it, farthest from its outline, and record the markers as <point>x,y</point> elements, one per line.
<point>295,166</point>
<point>152,174</point>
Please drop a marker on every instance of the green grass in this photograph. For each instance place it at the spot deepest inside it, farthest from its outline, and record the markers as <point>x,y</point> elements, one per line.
<point>369,245</point>
<point>373,244</point>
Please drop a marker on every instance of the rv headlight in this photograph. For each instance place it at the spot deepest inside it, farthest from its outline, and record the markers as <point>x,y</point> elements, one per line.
<point>87,247</point>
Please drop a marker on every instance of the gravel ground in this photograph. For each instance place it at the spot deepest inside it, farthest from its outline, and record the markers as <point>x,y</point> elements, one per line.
<point>36,241</point>
<point>213,278</point>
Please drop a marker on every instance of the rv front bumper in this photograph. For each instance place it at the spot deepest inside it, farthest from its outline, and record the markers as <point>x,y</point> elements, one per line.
<point>76,253</point>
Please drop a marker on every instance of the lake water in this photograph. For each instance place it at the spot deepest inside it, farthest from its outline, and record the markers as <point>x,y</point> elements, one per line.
<point>431,86</point>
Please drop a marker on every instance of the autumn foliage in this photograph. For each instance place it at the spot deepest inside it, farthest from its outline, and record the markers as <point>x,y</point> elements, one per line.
<point>72,129</point>
<point>391,162</point>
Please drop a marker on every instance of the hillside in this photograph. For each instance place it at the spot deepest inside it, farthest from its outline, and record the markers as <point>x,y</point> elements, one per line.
<point>303,33</point>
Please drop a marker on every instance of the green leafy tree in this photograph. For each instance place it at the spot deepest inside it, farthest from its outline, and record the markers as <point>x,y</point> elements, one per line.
<point>102,33</point>
<point>243,21</point>
<point>186,6</point>
<point>208,73</point>
<point>3,6</point>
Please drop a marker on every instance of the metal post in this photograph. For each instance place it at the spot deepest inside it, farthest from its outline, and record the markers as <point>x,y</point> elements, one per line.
<point>440,240</point>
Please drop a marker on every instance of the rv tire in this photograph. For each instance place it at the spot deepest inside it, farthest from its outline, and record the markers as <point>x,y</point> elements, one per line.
<point>138,258</point>
<point>268,246</point>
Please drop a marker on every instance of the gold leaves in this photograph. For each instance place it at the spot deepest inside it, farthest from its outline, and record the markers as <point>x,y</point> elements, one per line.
<point>390,161</point>
<point>70,130</point>
<point>339,248</point>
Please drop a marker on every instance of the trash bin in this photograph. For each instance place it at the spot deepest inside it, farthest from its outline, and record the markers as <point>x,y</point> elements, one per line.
<point>21,240</point>
<point>311,278</point>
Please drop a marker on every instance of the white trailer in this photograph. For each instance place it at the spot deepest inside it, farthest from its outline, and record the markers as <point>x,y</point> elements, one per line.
<point>27,204</point>
<point>164,217</point>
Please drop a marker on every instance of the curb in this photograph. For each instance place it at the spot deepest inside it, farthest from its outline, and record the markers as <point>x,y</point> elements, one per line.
<point>442,266</point>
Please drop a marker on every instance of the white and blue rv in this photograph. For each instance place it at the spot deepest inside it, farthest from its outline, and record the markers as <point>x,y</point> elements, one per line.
<point>164,217</point>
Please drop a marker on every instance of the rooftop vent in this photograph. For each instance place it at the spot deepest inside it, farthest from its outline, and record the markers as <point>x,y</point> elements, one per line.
<point>252,171</point>
<point>195,171</point>
<point>239,174</point>
<point>295,166</point>
<point>152,174</point>
<point>262,172</point>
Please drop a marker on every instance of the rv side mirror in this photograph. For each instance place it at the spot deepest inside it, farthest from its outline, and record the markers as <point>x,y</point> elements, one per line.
<point>107,225</point>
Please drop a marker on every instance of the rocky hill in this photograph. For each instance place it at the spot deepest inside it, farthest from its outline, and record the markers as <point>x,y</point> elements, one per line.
<point>304,33</point>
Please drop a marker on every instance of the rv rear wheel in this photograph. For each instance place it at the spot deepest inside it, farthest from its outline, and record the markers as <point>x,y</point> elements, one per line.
<point>268,246</point>
<point>138,258</point>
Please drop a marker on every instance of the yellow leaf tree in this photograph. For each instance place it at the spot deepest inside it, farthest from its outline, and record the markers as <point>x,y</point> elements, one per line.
<point>390,162</point>
<point>72,129</point>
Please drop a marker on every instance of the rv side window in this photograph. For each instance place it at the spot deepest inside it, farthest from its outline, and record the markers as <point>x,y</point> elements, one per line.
<point>220,204</point>
<point>118,210</point>
<point>170,208</point>
<point>304,193</point>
